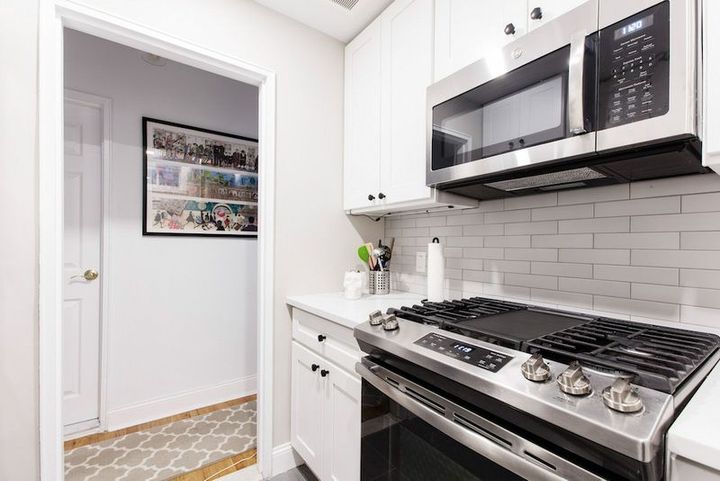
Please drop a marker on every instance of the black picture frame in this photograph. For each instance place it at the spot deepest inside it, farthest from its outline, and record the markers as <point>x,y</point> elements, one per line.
<point>194,187</point>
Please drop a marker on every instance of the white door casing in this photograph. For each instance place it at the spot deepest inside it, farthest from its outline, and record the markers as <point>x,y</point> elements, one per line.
<point>82,252</point>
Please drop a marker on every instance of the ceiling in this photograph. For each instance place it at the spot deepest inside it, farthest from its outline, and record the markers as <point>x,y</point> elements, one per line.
<point>329,17</point>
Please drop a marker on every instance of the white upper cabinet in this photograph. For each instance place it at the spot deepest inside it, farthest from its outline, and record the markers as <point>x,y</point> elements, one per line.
<point>388,68</point>
<point>467,30</point>
<point>407,32</point>
<point>711,85</point>
<point>539,12</point>
<point>363,71</point>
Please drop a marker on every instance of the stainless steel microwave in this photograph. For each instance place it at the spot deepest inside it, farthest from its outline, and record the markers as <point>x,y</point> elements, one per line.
<point>606,93</point>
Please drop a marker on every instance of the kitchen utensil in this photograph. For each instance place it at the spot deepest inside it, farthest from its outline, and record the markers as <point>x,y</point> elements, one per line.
<point>364,253</point>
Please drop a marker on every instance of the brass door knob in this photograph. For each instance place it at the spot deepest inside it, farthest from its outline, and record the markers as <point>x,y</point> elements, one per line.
<point>88,275</point>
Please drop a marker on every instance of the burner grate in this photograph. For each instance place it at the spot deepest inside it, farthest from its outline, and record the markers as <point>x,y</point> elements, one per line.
<point>446,313</point>
<point>659,358</point>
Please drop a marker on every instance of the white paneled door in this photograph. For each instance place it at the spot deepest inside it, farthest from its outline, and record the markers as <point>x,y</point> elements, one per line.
<point>81,264</point>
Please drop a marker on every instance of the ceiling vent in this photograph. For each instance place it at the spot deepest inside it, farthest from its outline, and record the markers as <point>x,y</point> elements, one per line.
<point>346,4</point>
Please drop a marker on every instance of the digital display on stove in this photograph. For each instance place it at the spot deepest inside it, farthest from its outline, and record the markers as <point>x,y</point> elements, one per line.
<point>634,26</point>
<point>464,348</point>
<point>477,356</point>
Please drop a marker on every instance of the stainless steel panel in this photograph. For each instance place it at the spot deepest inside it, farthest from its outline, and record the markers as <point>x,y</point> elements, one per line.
<point>540,42</point>
<point>576,115</point>
<point>515,454</point>
<point>639,436</point>
<point>681,118</point>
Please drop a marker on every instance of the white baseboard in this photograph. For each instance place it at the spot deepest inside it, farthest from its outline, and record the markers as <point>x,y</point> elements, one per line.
<point>250,473</point>
<point>285,458</point>
<point>177,403</point>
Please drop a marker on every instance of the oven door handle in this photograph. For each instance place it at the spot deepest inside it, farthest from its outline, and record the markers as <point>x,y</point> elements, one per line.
<point>489,440</point>
<point>576,84</point>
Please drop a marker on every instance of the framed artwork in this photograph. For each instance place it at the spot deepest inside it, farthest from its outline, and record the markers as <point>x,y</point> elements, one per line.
<point>198,181</point>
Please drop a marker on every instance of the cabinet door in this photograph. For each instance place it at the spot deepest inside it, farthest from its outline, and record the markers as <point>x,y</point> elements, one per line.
<point>342,421</point>
<point>468,30</point>
<point>711,84</point>
<point>407,31</point>
<point>550,9</point>
<point>308,398</point>
<point>362,118</point>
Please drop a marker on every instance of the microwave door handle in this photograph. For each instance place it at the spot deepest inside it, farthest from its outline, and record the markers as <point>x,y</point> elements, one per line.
<point>576,114</point>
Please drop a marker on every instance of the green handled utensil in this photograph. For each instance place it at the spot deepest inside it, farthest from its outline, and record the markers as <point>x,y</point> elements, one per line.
<point>364,253</point>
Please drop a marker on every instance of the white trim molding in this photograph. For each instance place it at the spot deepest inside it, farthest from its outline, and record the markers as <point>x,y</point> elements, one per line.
<point>285,458</point>
<point>54,16</point>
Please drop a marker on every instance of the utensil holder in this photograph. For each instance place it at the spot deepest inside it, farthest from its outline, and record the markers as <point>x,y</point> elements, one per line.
<point>379,282</point>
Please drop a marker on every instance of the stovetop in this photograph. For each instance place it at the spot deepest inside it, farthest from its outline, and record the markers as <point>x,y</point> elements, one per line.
<point>656,357</point>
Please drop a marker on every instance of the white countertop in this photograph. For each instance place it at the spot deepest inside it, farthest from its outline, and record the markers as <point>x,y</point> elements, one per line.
<point>350,313</point>
<point>695,434</point>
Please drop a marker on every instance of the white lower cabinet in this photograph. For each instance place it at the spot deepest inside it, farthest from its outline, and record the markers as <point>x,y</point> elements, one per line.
<point>325,417</point>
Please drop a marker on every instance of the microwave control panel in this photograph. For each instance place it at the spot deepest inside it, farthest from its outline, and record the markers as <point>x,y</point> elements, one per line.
<point>465,352</point>
<point>635,68</point>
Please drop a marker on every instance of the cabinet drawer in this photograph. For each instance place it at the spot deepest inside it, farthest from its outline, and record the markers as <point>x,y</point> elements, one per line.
<point>337,345</point>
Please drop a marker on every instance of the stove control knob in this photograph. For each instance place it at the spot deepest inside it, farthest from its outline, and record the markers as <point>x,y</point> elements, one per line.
<point>621,396</point>
<point>573,381</point>
<point>390,323</point>
<point>376,318</point>
<point>536,369</point>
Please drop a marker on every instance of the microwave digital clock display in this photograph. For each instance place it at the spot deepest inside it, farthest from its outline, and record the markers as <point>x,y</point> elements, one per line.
<point>634,26</point>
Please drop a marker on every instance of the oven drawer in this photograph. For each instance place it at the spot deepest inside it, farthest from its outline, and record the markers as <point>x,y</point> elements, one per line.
<point>412,431</point>
<point>329,339</point>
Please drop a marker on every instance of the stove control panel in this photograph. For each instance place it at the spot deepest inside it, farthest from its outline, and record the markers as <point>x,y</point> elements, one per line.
<point>466,352</point>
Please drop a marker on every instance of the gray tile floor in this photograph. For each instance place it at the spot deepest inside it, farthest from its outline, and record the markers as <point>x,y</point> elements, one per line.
<point>301,473</point>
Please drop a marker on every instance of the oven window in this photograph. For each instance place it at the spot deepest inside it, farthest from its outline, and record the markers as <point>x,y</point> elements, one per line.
<point>399,446</point>
<point>522,108</point>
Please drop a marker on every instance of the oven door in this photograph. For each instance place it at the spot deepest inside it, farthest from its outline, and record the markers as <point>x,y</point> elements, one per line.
<point>532,102</point>
<point>410,433</point>
<point>648,72</point>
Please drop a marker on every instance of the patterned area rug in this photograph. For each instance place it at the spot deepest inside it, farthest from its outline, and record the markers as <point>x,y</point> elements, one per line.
<point>166,451</point>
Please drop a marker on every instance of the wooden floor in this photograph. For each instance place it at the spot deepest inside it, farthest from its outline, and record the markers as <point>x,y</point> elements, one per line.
<point>98,437</point>
<point>221,468</point>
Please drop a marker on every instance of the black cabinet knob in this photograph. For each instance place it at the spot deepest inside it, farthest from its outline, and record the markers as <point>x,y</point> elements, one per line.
<point>381,196</point>
<point>324,372</point>
<point>509,29</point>
<point>536,13</point>
<point>315,367</point>
<point>371,197</point>
<point>321,338</point>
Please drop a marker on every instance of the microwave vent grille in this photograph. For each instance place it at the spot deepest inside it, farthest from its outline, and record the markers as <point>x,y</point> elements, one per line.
<point>346,4</point>
<point>544,180</point>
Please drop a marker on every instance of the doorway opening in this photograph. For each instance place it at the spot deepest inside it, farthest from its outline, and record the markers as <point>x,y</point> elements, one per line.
<point>53,276</point>
<point>176,295</point>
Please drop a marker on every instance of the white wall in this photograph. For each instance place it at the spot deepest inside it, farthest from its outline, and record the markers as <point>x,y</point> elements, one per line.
<point>309,69</point>
<point>18,241</point>
<point>182,310</point>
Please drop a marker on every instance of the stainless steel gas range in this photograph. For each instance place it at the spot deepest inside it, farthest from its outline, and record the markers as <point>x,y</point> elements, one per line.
<point>482,389</point>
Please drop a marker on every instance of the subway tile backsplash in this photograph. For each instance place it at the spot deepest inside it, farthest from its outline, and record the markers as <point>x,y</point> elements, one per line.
<point>648,250</point>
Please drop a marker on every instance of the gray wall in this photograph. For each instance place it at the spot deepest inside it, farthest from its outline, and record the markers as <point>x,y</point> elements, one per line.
<point>648,250</point>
